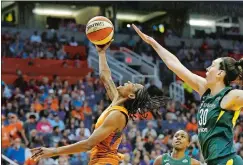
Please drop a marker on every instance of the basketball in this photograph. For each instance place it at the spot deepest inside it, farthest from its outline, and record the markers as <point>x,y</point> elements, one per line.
<point>99,30</point>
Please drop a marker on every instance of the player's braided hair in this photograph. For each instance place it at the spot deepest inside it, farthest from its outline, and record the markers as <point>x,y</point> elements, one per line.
<point>143,103</point>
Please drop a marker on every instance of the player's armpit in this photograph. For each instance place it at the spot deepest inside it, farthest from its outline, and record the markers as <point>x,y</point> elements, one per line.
<point>113,122</point>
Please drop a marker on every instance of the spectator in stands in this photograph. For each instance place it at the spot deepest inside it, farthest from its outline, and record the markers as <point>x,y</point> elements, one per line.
<point>44,36</point>
<point>55,136</point>
<point>20,82</point>
<point>73,42</point>
<point>61,54</point>
<point>149,145</point>
<point>125,146</point>
<point>17,153</point>
<point>6,91</point>
<point>63,160</point>
<point>191,126</point>
<point>30,124</point>
<point>35,37</point>
<point>81,135</point>
<point>63,39</point>
<point>126,160</point>
<point>16,128</point>
<point>149,130</point>
<point>44,126</point>
<point>87,132</point>
<point>56,122</point>
<point>36,139</point>
<point>6,139</point>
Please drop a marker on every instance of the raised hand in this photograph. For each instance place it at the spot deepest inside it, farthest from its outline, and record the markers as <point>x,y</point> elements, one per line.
<point>102,48</point>
<point>144,37</point>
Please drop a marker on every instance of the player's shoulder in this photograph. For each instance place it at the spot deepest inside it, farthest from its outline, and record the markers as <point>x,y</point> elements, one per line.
<point>158,160</point>
<point>115,118</point>
<point>194,162</point>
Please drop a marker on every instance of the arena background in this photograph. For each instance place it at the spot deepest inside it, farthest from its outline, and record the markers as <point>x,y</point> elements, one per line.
<point>50,87</point>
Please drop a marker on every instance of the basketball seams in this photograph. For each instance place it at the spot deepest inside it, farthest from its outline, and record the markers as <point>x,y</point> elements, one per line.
<point>107,39</point>
<point>106,25</point>
<point>88,35</point>
<point>90,30</point>
<point>100,18</point>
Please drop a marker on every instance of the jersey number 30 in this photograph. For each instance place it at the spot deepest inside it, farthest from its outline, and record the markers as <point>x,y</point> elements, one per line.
<point>203,117</point>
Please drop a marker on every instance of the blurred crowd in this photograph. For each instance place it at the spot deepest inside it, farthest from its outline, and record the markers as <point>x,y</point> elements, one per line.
<point>56,113</point>
<point>51,114</point>
<point>37,46</point>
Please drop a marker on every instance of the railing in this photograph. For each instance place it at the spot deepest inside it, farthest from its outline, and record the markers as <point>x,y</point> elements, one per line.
<point>9,161</point>
<point>141,78</point>
<point>119,70</point>
<point>177,92</point>
<point>94,63</point>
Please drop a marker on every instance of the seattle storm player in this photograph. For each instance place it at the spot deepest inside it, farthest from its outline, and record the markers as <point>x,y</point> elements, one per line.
<point>180,143</point>
<point>220,107</point>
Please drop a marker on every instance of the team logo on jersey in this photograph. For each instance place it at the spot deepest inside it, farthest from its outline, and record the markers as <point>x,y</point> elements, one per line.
<point>185,161</point>
<point>166,160</point>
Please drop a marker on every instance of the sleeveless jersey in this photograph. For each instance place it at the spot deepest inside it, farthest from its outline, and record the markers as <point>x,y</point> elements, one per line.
<point>215,126</point>
<point>105,152</point>
<point>168,160</point>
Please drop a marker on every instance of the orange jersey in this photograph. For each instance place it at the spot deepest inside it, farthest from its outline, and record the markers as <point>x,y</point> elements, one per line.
<point>5,137</point>
<point>15,128</point>
<point>105,152</point>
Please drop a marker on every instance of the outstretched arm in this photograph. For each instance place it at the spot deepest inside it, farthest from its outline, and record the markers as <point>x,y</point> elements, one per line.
<point>105,73</point>
<point>112,123</point>
<point>196,82</point>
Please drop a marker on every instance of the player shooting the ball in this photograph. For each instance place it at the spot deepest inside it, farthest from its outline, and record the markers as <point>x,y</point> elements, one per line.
<point>127,100</point>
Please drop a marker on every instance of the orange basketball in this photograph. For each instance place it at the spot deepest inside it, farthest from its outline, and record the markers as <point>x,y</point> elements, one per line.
<point>99,30</point>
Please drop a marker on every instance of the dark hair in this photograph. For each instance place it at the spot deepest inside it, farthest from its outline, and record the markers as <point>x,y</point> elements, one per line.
<point>233,69</point>
<point>32,117</point>
<point>144,103</point>
<point>55,128</point>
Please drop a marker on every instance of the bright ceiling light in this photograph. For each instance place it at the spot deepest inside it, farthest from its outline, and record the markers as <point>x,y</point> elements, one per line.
<point>137,17</point>
<point>127,17</point>
<point>54,12</point>
<point>194,22</point>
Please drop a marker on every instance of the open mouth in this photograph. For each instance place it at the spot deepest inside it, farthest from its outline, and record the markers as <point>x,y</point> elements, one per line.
<point>178,142</point>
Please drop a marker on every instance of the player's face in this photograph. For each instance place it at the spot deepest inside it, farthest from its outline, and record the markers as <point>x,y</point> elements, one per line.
<point>129,89</point>
<point>180,140</point>
<point>214,74</point>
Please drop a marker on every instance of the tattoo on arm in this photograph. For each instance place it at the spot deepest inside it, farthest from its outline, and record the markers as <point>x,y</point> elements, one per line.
<point>110,87</point>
